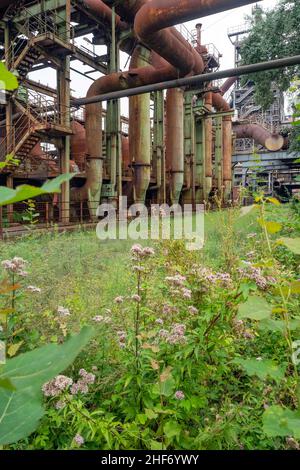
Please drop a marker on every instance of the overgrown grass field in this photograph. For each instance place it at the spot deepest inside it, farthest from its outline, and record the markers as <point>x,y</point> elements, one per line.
<point>189,350</point>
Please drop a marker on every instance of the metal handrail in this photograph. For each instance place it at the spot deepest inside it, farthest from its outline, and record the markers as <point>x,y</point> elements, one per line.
<point>44,25</point>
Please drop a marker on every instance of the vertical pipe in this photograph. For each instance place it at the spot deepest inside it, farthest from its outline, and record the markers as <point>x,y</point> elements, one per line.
<point>140,132</point>
<point>64,89</point>
<point>175,142</point>
<point>219,154</point>
<point>189,150</point>
<point>159,145</point>
<point>227,157</point>
<point>208,147</point>
<point>199,33</point>
<point>112,116</point>
<point>199,160</point>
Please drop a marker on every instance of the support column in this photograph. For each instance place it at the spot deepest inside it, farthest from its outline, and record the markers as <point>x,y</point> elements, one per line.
<point>208,147</point>
<point>200,159</point>
<point>189,151</point>
<point>113,127</point>
<point>9,131</point>
<point>63,86</point>
<point>219,154</point>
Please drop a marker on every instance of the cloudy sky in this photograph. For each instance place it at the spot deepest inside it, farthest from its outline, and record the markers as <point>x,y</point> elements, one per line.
<point>214,31</point>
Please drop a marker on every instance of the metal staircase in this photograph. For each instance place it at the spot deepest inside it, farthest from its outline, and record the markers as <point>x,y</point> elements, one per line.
<point>37,117</point>
<point>246,92</point>
<point>34,32</point>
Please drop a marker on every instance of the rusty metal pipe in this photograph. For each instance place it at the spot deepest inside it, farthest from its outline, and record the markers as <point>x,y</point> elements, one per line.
<point>140,131</point>
<point>175,142</point>
<point>228,84</point>
<point>272,142</point>
<point>155,16</point>
<point>102,11</point>
<point>191,81</point>
<point>208,146</point>
<point>110,83</point>
<point>221,105</point>
<point>227,156</point>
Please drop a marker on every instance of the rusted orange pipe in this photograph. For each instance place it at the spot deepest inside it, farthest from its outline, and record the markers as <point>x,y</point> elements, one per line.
<point>228,84</point>
<point>155,16</point>
<point>78,143</point>
<point>116,81</point>
<point>272,142</point>
<point>102,11</point>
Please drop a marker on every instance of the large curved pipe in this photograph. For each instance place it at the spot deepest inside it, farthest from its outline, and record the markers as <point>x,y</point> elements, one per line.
<point>102,11</point>
<point>116,81</point>
<point>272,142</point>
<point>155,16</point>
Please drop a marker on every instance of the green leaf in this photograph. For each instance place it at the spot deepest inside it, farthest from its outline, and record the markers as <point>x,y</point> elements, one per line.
<point>256,308</point>
<point>272,227</point>
<point>165,388</point>
<point>23,192</point>
<point>274,201</point>
<point>6,383</point>
<point>278,325</point>
<point>171,429</point>
<point>278,421</point>
<point>293,244</point>
<point>14,348</point>
<point>21,410</point>
<point>155,445</point>
<point>150,414</point>
<point>262,369</point>
<point>8,81</point>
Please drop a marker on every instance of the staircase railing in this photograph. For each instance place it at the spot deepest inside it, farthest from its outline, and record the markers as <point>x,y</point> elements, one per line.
<point>17,132</point>
<point>34,26</point>
<point>243,96</point>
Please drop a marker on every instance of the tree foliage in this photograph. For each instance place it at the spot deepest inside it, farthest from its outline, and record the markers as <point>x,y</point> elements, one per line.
<point>274,34</point>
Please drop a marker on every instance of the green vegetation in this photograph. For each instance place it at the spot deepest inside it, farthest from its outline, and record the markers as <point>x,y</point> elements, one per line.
<point>190,350</point>
<point>273,35</point>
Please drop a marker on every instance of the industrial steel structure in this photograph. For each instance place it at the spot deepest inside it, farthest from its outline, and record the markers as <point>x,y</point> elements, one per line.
<point>250,159</point>
<point>174,147</point>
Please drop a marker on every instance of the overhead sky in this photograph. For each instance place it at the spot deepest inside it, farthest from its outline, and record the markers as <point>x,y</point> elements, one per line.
<point>215,29</point>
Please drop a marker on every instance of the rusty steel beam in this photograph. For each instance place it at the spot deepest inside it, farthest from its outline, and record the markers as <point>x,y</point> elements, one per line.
<point>184,82</point>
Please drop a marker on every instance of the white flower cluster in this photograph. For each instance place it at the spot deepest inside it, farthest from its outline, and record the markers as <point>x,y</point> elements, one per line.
<point>16,266</point>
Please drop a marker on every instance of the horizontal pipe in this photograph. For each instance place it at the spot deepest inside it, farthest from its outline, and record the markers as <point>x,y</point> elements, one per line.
<point>191,81</point>
<point>272,142</point>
